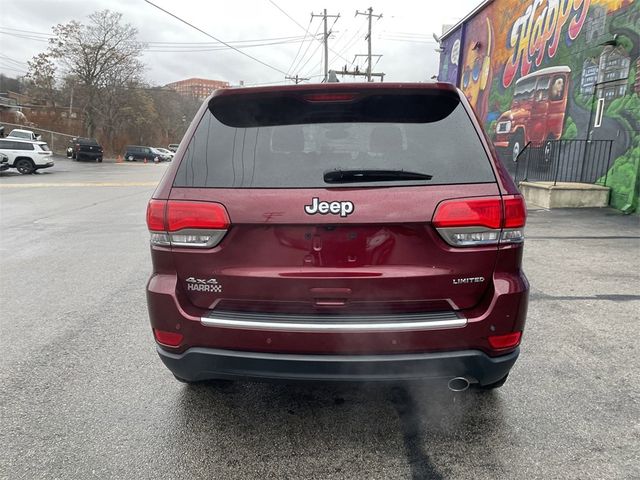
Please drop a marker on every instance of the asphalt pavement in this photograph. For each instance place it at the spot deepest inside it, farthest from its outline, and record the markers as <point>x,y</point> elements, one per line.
<point>84,394</point>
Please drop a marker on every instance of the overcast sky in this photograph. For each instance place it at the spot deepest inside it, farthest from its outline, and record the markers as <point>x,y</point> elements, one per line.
<point>402,35</point>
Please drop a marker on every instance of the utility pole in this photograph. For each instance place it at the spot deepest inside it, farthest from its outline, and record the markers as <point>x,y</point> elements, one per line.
<point>326,40</point>
<point>297,79</point>
<point>357,73</point>
<point>370,14</point>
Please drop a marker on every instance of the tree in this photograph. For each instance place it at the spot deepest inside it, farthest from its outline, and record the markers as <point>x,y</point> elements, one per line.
<point>100,56</point>
<point>42,74</point>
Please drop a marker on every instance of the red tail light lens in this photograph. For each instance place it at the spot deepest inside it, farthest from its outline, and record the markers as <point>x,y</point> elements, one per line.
<point>468,222</point>
<point>469,212</point>
<point>155,215</point>
<point>515,212</point>
<point>183,215</point>
<point>510,340</point>
<point>186,224</point>
<point>169,339</point>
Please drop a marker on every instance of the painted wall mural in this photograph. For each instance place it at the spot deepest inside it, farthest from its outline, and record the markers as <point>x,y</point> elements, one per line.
<point>536,70</point>
<point>450,58</point>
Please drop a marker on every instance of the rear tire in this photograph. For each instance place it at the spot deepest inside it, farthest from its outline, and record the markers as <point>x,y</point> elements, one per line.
<point>516,145</point>
<point>491,386</point>
<point>25,166</point>
<point>549,152</point>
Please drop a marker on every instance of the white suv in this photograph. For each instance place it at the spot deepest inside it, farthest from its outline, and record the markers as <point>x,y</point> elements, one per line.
<point>25,155</point>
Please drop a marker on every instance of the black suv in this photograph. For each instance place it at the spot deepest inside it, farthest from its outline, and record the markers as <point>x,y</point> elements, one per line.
<point>136,152</point>
<point>85,149</point>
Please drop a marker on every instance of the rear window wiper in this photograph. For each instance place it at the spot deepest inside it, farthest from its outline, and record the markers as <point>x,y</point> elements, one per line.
<point>353,176</point>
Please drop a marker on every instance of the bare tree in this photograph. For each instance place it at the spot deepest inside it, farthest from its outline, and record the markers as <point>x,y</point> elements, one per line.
<point>100,55</point>
<point>42,76</point>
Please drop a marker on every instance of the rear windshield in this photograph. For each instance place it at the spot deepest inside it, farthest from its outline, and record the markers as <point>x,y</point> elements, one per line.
<point>258,145</point>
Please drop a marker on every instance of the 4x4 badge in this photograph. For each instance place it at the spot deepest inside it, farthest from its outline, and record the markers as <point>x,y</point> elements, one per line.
<point>324,208</point>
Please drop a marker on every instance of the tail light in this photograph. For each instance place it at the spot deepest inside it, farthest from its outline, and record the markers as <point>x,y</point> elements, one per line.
<point>465,222</point>
<point>169,339</point>
<point>180,223</point>
<point>510,340</point>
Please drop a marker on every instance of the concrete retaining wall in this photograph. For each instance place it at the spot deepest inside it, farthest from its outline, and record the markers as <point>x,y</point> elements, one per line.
<point>564,194</point>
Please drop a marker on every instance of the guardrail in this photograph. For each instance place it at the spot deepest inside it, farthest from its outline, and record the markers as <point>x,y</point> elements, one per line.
<point>584,161</point>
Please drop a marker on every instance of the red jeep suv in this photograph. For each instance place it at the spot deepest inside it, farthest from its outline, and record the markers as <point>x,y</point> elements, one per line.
<point>337,232</point>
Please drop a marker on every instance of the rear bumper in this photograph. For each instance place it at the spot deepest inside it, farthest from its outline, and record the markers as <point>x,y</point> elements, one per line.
<point>88,155</point>
<point>208,363</point>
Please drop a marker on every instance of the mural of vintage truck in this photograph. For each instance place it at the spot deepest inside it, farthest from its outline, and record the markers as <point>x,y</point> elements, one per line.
<point>537,110</point>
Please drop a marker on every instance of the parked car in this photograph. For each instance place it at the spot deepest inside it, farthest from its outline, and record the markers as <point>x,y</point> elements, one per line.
<point>24,134</point>
<point>135,152</point>
<point>161,156</point>
<point>4,162</point>
<point>173,147</point>
<point>537,111</point>
<point>84,149</point>
<point>25,155</point>
<point>338,232</point>
<point>165,152</point>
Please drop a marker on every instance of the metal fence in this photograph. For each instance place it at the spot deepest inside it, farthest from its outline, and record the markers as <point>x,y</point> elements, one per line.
<point>584,161</point>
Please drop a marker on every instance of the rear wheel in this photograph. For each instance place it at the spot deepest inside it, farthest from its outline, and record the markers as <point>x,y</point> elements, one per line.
<point>491,386</point>
<point>549,151</point>
<point>25,166</point>
<point>516,145</point>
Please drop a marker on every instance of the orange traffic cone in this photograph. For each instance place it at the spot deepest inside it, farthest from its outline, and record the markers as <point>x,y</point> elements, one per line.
<point>145,159</point>
<point>119,159</point>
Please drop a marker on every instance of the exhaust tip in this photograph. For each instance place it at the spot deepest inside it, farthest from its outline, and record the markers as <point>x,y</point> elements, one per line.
<point>458,384</point>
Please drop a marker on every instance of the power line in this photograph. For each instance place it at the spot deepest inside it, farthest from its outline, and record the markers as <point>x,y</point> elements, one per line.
<point>28,31</point>
<point>4,67</point>
<point>309,59</point>
<point>300,46</point>
<point>296,22</point>
<point>407,40</point>
<point>26,37</point>
<point>352,42</point>
<point>216,39</point>
<point>13,60</point>
<point>213,48</point>
<point>307,49</point>
<point>286,14</point>
<point>293,37</point>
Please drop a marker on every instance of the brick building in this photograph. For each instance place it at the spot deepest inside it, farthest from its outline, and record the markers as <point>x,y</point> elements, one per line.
<point>200,88</point>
